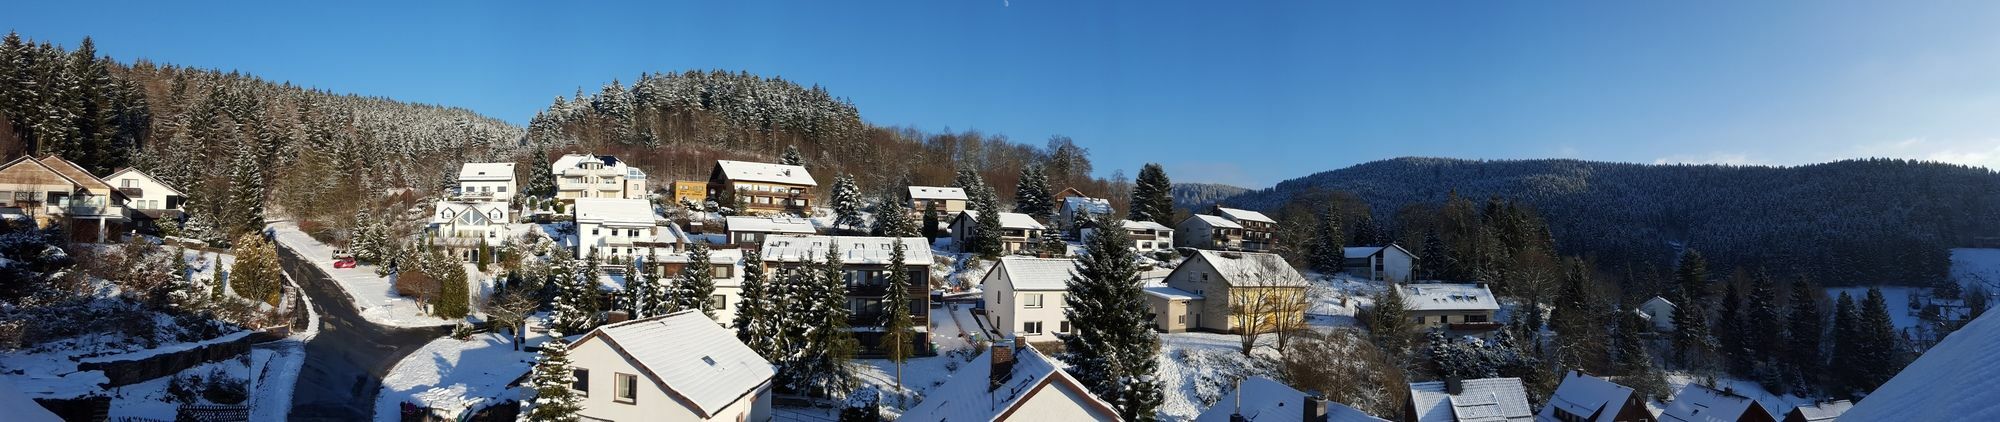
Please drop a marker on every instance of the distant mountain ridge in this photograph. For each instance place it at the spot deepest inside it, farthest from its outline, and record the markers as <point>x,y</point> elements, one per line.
<point>1196,196</point>
<point>1841,223</point>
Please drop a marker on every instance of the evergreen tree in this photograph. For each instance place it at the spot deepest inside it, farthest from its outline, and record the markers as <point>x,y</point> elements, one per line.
<point>1802,339</point>
<point>792,157</point>
<point>1389,323</point>
<point>846,203</point>
<point>255,274</point>
<point>897,325</point>
<point>1845,358</point>
<point>985,239</point>
<point>1976,300</point>
<point>977,195</point>
<point>1765,325</point>
<point>1733,334</point>
<point>188,294</point>
<point>1436,256</point>
<point>695,284</point>
<point>931,229</point>
<point>643,295</point>
<point>1634,361</point>
<point>757,310</point>
<point>454,295</point>
<point>246,191</point>
<point>1880,354</point>
<point>554,401</point>
<point>1111,344</point>
<point>576,302</point>
<point>363,242</point>
<point>1032,195</point>
<point>541,177</point>
<point>892,220</point>
<point>1152,196</point>
<point>1579,322</point>
<point>1329,252</point>
<point>822,361</point>
<point>1692,342</point>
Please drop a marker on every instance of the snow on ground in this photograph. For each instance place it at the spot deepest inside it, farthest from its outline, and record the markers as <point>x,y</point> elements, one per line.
<point>375,295</point>
<point>1196,369</point>
<point>1975,265</point>
<point>151,399</point>
<point>278,366</point>
<point>1776,404</point>
<point>204,265</point>
<point>1897,297</point>
<point>953,330</point>
<point>454,374</point>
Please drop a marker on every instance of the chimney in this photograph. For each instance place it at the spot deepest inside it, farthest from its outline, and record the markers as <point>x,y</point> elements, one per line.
<point>1453,385</point>
<point>1003,366</point>
<point>615,317</point>
<point>1315,407</point>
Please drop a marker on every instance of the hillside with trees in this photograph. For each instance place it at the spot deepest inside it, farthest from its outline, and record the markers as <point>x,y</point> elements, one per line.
<point>1842,223</point>
<point>1196,196</point>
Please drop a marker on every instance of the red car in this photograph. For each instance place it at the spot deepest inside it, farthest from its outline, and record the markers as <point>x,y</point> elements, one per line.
<point>343,260</point>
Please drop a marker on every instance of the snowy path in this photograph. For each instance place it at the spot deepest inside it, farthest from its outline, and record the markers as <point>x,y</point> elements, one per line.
<point>374,295</point>
<point>348,357</point>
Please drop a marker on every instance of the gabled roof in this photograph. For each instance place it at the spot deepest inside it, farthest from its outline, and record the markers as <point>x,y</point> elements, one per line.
<point>1010,220</point>
<point>614,211</point>
<point>1368,251</point>
<point>689,357</point>
<point>1035,273</point>
<point>1243,215</point>
<point>1240,268</point>
<point>966,396</point>
<point>1144,225</point>
<point>1089,204</point>
<point>1954,380</point>
<point>1823,411</point>
<point>74,172</point>
<point>765,172</point>
<point>1449,297</point>
<point>937,192</point>
<point>789,225</point>
<point>486,171</point>
<point>479,213</point>
<point>1212,221</point>
<point>1478,400</point>
<point>135,171</point>
<point>1265,400</point>
<point>1696,403</point>
<point>29,160</point>
<point>1169,293</point>
<point>1585,395</point>
<point>1658,301</point>
<point>853,249</point>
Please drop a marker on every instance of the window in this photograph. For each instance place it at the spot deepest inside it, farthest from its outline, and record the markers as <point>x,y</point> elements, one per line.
<point>502,189</point>
<point>1180,319</point>
<point>625,388</point>
<point>582,384</point>
<point>593,231</point>
<point>1420,319</point>
<point>1065,328</point>
<point>1031,300</point>
<point>721,271</point>
<point>1475,318</point>
<point>719,302</point>
<point>633,233</point>
<point>1032,327</point>
<point>129,183</point>
<point>1204,276</point>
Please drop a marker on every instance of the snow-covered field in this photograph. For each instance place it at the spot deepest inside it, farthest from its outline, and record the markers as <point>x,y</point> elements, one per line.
<point>953,330</point>
<point>374,295</point>
<point>450,373</point>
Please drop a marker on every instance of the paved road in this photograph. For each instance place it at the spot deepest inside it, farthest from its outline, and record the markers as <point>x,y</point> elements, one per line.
<point>346,361</point>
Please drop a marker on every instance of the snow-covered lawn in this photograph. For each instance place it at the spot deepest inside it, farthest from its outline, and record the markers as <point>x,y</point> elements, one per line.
<point>1974,265</point>
<point>374,295</point>
<point>919,374</point>
<point>1198,368</point>
<point>454,374</point>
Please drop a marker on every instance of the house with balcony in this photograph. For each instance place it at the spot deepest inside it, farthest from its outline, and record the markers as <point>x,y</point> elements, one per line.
<point>148,198</point>
<point>1211,232</point>
<point>725,268</point>
<point>486,182</point>
<point>596,176</point>
<point>948,201</point>
<point>1456,307</point>
<point>469,229</point>
<point>622,229</point>
<point>54,191</point>
<point>1260,232</point>
<point>762,188</point>
<point>1147,237</point>
<point>1017,231</point>
<point>751,230</point>
<point>865,264</point>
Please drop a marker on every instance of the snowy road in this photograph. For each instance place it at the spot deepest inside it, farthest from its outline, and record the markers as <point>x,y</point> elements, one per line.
<point>345,363</point>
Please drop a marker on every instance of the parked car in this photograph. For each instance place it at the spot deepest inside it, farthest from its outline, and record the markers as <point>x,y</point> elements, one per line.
<point>342,259</point>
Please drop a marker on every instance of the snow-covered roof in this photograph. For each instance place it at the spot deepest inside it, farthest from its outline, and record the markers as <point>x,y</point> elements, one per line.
<point>1658,301</point>
<point>1265,400</point>
<point>1696,403</point>
<point>688,354</point>
<point>1449,297</point>
<point>853,249</point>
<point>968,395</point>
<point>1144,225</point>
<point>765,172</point>
<point>1250,268</point>
<point>1823,411</point>
<point>1478,400</point>
<point>486,171</point>
<point>780,224</point>
<point>614,211</point>
<point>1011,220</point>
<point>476,213</point>
<point>18,407</point>
<point>1584,395</point>
<point>1036,273</point>
<point>1954,380</point>
<point>1244,215</point>
<point>1089,204</point>
<point>1368,251</point>
<point>135,171</point>
<point>1169,293</point>
<point>937,192</point>
<point>1215,221</point>
<point>572,161</point>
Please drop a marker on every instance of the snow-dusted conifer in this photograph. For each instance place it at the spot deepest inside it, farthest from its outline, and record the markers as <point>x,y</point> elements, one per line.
<point>696,283</point>
<point>846,203</point>
<point>1111,344</point>
<point>554,401</point>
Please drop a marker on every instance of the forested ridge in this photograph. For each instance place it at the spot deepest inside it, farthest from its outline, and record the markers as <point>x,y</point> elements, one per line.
<point>1841,223</point>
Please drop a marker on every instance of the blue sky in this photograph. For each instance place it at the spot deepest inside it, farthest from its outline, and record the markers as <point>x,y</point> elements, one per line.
<point>1248,94</point>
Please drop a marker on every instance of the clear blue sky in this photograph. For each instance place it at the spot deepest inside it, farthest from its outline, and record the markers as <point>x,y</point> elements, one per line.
<point>1248,94</point>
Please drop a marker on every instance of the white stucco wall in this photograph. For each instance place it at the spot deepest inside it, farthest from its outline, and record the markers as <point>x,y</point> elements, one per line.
<point>1055,402</point>
<point>652,404</point>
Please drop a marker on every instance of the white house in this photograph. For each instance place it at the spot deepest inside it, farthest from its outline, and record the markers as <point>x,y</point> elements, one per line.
<point>1469,307</point>
<point>1585,398</point>
<point>1259,399</point>
<point>1660,312</point>
<point>1483,400</point>
<point>1010,383</point>
<point>1025,296</point>
<point>596,176</point>
<point>146,194</point>
<point>462,227</point>
<point>725,268</point>
<point>677,367</point>
<point>1077,209</point>
<point>621,228</point>
<point>751,230</point>
<point>1382,263</point>
<point>1697,403</point>
<point>1147,236</point>
<point>949,201</point>
<point>1017,230</point>
<point>486,181</point>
